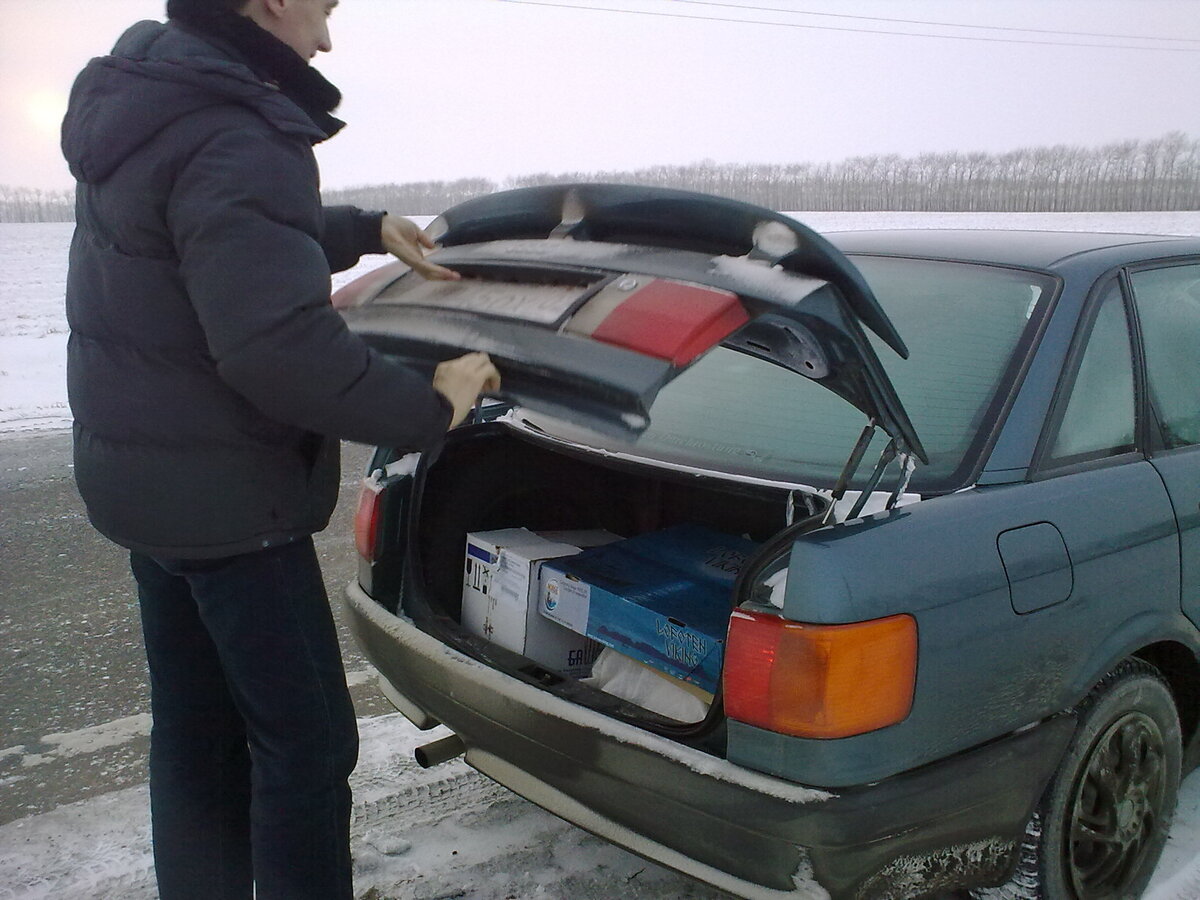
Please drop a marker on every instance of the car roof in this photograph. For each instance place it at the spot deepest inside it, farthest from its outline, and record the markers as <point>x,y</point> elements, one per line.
<point>1050,250</point>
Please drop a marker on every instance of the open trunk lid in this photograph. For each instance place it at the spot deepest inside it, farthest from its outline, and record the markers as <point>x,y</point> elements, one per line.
<point>590,298</point>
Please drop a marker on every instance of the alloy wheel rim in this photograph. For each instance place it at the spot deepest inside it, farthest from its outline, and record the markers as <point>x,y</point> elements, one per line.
<point>1116,810</point>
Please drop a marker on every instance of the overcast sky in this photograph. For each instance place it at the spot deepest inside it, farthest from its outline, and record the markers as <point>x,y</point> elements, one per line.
<point>443,89</point>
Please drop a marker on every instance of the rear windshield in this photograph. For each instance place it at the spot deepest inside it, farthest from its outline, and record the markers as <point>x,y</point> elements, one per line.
<point>965,327</point>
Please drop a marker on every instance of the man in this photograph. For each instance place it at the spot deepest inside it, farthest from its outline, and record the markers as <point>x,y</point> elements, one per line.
<point>210,379</point>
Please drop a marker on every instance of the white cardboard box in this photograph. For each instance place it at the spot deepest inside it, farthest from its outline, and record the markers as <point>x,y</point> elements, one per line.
<point>500,589</point>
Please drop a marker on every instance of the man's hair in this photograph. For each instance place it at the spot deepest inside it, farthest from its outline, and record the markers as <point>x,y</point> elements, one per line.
<point>230,5</point>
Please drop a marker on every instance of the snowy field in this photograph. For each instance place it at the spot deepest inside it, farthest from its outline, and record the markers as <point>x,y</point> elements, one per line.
<point>439,833</point>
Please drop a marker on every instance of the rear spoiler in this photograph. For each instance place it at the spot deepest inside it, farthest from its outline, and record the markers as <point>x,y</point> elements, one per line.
<point>662,217</point>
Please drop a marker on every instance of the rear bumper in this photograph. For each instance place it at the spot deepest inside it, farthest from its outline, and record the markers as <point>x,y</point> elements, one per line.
<point>953,823</point>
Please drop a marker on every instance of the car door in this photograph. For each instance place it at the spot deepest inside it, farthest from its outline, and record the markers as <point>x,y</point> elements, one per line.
<point>1118,549</point>
<point>1168,308</point>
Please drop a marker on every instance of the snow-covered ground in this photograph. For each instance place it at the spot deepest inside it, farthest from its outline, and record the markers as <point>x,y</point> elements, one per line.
<point>418,834</point>
<point>438,833</point>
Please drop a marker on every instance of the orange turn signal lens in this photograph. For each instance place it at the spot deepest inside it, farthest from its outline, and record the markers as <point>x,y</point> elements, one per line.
<point>819,681</point>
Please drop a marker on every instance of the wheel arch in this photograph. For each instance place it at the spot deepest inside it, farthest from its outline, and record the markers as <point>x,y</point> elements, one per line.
<point>1180,668</point>
<point>1149,635</point>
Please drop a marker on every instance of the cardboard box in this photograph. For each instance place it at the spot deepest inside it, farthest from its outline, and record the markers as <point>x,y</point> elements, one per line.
<point>500,595</point>
<point>663,598</point>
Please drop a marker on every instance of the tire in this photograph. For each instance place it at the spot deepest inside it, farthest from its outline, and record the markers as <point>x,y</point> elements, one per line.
<point>1102,823</point>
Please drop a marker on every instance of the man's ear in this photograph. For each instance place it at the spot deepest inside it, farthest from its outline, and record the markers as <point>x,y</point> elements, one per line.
<point>274,8</point>
<point>264,11</point>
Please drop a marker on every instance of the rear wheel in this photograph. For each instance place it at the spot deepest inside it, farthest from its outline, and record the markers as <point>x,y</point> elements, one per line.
<point>1102,823</point>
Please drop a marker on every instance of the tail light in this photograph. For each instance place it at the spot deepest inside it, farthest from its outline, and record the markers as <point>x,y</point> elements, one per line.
<point>367,518</point>
<point>669,320</point>
<point>819,681</point>
<point>367,287</point>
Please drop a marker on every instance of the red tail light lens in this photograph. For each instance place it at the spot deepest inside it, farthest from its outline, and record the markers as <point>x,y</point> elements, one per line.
<point>819,681</point>
<point>367,287</point>
<point>670,320</point>
<point>366,520</point>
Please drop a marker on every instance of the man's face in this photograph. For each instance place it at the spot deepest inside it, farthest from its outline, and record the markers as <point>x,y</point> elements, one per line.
<point>303,25</point>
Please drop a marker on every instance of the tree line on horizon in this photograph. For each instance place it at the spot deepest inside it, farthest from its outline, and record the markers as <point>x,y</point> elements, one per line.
<point>1136,175</point>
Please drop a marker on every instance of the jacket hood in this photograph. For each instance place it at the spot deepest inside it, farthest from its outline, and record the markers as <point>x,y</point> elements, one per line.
<point>156,74</point>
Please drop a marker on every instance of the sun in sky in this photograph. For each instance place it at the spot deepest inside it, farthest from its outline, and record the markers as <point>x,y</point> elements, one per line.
<point>29,150</point>
<point>45,109</point>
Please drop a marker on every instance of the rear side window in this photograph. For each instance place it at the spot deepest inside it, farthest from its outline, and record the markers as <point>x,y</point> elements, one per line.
<point>1168,304</point>
<point>1098,420</point>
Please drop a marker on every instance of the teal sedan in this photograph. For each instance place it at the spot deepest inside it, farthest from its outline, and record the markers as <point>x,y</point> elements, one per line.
<point>862,565</point>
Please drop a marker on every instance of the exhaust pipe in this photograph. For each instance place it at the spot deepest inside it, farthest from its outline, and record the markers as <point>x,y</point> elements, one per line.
<point>439,751</point>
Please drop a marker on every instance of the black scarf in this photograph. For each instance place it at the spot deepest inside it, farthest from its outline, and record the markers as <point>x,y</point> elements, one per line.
<point>266,54</point>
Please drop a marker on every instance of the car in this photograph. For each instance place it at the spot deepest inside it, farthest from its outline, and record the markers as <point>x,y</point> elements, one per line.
<point>862,565</point>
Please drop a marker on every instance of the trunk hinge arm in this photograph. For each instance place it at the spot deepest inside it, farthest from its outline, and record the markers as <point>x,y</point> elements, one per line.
<point>890,452</point>
<point>885,460</point>
<point>851,466</point>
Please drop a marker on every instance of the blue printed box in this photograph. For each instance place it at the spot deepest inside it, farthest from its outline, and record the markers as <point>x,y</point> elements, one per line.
<point>663,598</point>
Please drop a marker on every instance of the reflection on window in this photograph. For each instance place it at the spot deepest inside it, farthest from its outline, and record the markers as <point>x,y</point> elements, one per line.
<point>1168,302</point>
<point>1099,418</point>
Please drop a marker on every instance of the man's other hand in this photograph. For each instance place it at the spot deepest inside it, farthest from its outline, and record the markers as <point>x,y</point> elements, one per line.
<point>408,243</point>
<point>462,380</point>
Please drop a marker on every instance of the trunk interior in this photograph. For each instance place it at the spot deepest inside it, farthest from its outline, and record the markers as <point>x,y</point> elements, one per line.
<point>491,477</point>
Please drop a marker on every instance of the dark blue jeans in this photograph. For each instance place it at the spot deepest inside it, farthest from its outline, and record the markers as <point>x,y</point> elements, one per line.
<point>254,736</point>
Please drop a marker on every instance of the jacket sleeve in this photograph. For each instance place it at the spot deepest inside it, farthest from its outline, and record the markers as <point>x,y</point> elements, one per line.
<point>245,217</point>
<point>349,232</point>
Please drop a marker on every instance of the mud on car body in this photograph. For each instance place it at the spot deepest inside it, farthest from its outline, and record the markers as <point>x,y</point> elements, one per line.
<point>958,471</point>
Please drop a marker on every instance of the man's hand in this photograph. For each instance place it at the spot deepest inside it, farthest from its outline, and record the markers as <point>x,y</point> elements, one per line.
<point>462,380</point>
<point>408,243</point>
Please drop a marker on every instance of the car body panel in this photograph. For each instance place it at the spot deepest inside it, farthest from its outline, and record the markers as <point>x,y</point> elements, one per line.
<point>748,833</point>
<point>1178,471</point>
<point>1029,666</point>
<point>1046,250</point>
<point>608,388</point>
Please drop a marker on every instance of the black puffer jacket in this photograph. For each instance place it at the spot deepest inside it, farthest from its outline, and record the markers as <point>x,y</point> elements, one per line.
<point>208,375</point>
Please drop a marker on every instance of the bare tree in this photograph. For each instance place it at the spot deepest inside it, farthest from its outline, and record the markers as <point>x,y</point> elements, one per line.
<point>1159,174</point>
<point>19,204</point>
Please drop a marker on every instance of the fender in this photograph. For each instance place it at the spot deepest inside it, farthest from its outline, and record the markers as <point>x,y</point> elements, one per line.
<point>1136,632</point>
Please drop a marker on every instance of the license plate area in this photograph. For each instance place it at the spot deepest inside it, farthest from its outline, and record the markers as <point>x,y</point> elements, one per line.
<point>544,303</point>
